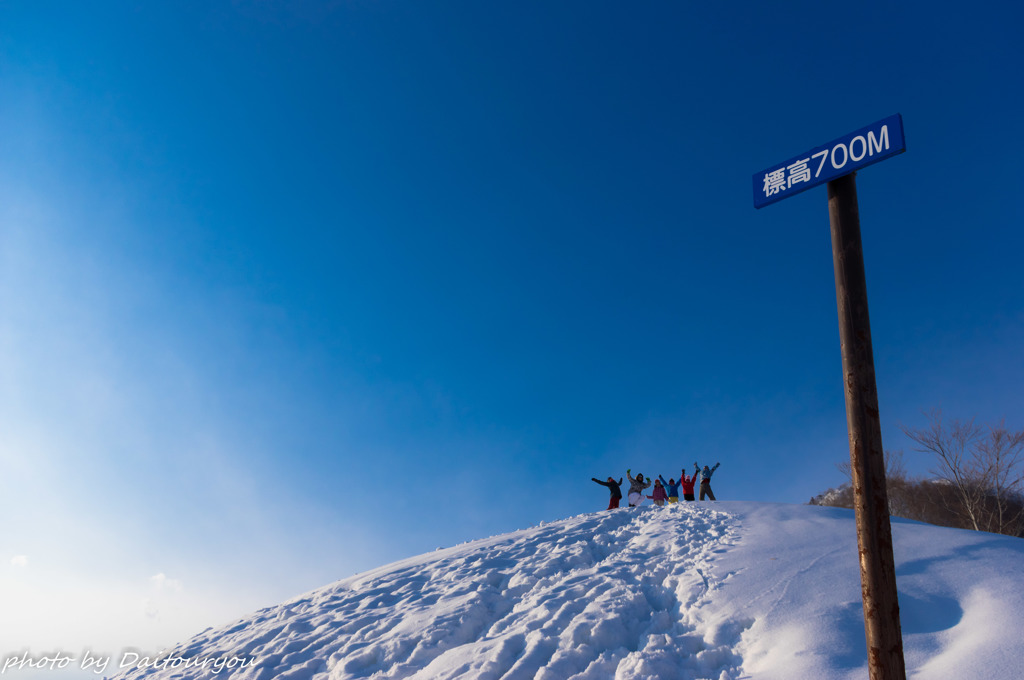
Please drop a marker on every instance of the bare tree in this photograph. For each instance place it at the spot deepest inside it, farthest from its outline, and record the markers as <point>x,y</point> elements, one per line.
<point>1003,451</point>
<point>983,465</point>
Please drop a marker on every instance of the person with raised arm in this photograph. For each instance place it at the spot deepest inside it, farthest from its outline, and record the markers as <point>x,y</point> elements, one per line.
<point>687,484</point>
<point>671,489</point>
<point>705,480</point>
<point>636,488</point>
<point>613,487</point>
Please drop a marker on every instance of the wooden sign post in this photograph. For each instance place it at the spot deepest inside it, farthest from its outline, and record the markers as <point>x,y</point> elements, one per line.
<point>836,164</point>
<point>867,458</point>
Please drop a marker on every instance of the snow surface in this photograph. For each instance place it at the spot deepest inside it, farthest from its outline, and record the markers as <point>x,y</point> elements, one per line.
<point>723,591</point>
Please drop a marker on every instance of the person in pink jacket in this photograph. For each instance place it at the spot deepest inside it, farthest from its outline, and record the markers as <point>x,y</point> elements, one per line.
<point>659,494</point>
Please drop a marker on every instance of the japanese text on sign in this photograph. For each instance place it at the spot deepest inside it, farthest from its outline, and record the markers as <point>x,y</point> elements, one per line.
<point>835,159</point>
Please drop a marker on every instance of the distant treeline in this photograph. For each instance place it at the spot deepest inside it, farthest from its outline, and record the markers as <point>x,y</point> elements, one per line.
<point>978,482</point>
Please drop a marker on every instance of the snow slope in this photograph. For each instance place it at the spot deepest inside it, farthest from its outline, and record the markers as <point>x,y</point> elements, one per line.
<point>699,590</point>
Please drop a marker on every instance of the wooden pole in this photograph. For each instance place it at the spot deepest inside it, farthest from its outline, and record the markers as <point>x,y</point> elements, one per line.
<point>867,459</point>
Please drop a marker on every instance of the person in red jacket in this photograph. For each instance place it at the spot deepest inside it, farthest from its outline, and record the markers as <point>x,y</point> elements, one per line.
<point>687,484</point>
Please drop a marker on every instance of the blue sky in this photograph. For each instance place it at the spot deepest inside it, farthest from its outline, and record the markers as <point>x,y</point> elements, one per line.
<point>291,290</point>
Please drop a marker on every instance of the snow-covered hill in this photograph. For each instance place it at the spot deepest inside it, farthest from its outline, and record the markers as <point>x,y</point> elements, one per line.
<point>725,591</point>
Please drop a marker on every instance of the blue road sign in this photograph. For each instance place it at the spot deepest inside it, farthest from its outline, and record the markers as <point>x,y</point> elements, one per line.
<point>823,163</point>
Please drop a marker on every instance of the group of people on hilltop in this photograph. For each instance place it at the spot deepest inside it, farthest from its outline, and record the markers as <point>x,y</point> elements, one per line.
<point>663,491</point>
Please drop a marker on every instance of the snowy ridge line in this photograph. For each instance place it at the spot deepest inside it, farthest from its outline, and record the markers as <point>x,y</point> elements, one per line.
<point>610,594</point>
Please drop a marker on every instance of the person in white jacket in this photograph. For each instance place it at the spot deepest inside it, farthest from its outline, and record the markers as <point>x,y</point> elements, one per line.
<point>636,489</point>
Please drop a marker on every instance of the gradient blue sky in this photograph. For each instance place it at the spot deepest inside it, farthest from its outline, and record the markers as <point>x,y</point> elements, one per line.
<point>289,290</point>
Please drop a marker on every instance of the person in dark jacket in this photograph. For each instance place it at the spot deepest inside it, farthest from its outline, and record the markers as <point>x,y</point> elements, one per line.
<point>613,487</point>
<point>636,488</point>
<point>705,480</point>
